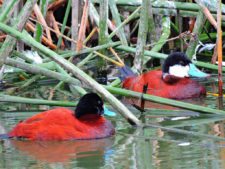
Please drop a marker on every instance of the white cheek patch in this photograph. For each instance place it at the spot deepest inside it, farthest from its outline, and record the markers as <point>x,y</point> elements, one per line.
<point>179,71</point>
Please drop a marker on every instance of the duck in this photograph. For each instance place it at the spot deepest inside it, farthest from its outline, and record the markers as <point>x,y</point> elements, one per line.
<point>173,81</point>
<point>86,122</point>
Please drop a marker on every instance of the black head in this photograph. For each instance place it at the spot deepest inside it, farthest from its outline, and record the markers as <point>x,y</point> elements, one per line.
<point>176,58</point>
<point>90,103</point>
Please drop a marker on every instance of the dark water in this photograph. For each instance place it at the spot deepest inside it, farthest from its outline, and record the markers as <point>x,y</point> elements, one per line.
<point>131,147</point>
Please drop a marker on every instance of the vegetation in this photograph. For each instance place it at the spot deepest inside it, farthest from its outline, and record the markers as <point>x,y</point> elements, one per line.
<point>80,44</point>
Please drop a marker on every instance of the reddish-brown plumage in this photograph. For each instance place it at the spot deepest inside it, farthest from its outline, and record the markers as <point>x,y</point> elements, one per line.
<point>61,124</point>
<point>183,88</point>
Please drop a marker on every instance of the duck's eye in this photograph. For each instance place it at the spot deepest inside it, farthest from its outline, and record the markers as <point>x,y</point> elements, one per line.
<point>99,102</point>
<point>181,63</point>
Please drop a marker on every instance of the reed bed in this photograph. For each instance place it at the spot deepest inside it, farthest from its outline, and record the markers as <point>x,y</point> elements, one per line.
<point>80,45</point>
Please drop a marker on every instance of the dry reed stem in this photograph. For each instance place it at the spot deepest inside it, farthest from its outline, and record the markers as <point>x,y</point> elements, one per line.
<point>215,54</point>
<point>41,19</point>
<point>83,26</point>
<point>99,54</point>
<point>209,16</point>
<point>219,49</point>
<point>54,25</point>
<point>45,40</point>
<point>55,5</point>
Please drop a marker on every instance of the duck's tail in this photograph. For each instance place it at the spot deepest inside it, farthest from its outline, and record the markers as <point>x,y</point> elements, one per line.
<point>125,72</point>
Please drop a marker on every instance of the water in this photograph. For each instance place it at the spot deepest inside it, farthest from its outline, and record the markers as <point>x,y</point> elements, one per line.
<point>131,147</point>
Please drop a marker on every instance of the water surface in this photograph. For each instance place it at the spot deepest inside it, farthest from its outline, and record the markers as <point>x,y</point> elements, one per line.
<point>131,147</point>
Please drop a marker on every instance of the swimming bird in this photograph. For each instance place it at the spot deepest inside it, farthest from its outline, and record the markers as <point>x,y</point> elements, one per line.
<point>173,81</point>
<point>86,122</point>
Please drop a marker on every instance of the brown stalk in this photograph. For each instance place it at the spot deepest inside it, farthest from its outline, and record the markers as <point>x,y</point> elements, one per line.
<point>83,26</point>
<point>209,16</point>
<point>45,40</point>
<point>215,54</point>
<point>219,49</point>
<point>52,23</point>
<point>99,54</point>
<point>55,5</point>
<point>41,19</point>
<point>57,33</point>
<point>212,20</point>
<point>2,38</point>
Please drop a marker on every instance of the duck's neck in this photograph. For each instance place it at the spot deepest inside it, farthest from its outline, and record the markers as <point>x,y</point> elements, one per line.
<point>90,117</point>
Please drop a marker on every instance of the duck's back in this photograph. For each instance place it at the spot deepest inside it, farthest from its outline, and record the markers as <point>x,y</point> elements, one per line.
<point>61,124</point>
<point>181,89</point>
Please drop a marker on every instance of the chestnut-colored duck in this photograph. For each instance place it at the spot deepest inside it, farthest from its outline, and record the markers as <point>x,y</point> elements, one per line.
<point>173,81</point>
<point>86,122</point>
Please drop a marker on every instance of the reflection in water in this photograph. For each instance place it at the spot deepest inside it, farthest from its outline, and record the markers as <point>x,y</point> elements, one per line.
<point>64,151</point>
<point>130,148</point>
<point>148,104</point>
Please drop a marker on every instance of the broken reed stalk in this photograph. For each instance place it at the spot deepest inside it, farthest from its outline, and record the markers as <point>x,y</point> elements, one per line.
<point>219,49</point>
<point>116,104</point>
